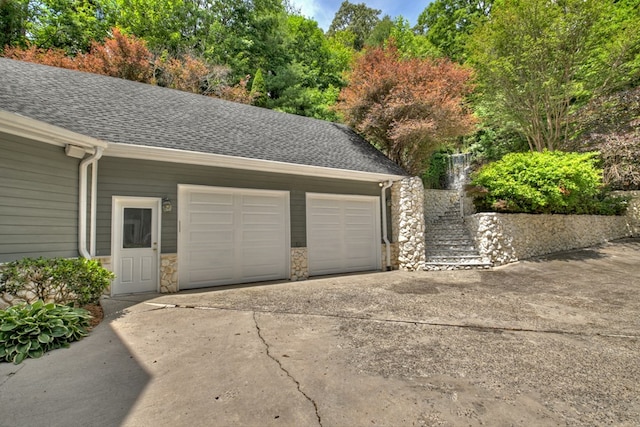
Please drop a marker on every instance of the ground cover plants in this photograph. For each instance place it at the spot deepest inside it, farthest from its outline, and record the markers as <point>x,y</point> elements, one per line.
<point>30,330</point>
<point>57,304</point>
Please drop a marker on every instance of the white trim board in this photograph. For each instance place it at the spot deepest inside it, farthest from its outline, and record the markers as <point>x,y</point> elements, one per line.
<point>207,159</point>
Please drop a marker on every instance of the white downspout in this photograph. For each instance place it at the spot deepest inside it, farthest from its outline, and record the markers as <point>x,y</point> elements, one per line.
<point>385,237</point>
<point>82,203</point>
<point>94,204</point>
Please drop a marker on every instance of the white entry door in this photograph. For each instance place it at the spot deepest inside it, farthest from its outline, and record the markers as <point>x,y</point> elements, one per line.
<point>135,240</point>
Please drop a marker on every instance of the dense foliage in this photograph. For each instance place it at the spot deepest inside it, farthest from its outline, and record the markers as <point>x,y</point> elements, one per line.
<point>543,182</point>
<point>30,330</point>
<point>542,68</point>
<point>610,125</point>
<point>538,59</point>
<point>435,175</point>
<point>65,281</point>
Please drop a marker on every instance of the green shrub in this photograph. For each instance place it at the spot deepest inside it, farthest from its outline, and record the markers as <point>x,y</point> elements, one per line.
<point>31,330</point>
<point>547,182</point>
<point>58,280</point>
<point>435,177</point>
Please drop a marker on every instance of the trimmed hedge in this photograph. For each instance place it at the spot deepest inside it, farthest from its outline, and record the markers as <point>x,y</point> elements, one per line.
<point>60,280</point>
<point>550,182</point>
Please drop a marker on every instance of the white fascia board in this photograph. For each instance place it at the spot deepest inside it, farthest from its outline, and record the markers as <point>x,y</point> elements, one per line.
<point>15,124</point>
<point>223,161</point>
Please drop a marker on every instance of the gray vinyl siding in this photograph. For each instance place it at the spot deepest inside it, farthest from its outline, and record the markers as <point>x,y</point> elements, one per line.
<point>127,177</point>
<point>38,200</point>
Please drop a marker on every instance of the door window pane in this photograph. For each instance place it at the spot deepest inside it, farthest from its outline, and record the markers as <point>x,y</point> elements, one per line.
<point>136,231</point>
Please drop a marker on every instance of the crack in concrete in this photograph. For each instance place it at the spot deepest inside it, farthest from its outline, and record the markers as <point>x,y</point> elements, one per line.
<point>11,374</point>
<point>283,369</point>
<point>479,328</point>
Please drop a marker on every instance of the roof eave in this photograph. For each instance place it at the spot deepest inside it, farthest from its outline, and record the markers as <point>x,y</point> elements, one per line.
<point>207,159</point>
<point>15,124</point>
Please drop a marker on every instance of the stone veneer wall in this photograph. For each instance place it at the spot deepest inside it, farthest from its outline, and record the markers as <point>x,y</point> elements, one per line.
<point>633,210</point>
<point>168,273</point>
<point>299,264</point>
<point>504,238</point>
<point>407,219</point>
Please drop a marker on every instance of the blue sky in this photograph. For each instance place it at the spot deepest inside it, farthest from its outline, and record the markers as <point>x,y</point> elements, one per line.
<point>323,11</point>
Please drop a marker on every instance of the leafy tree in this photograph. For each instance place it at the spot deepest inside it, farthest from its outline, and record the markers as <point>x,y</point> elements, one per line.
<point>613,63</point>
<point>259,89</point>
<point>380,33</point>
<point>528,56</point>
<point>341,50</point>
<point>14,15</point>
<point>448,23</point>
<point>188,73</point>
<point>407,107</point>
<point>410,44</point>
<point>610,125</point>
<point>310,82</point>
<point>70,24</point>
<point>357,18</point>
<point>122,56</point>
<point>175,26</point>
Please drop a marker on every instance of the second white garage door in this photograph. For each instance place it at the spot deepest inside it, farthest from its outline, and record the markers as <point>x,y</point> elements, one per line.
<point>343,233</point>
<point>231,235</point>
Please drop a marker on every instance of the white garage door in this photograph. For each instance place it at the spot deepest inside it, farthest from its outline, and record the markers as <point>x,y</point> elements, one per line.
<point>231,235</point>
<point>343,233</point>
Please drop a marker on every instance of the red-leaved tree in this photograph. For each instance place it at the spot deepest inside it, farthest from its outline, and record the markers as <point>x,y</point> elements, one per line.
<point>407,107</point>
<point>121,56</point>
<point>128,57</point>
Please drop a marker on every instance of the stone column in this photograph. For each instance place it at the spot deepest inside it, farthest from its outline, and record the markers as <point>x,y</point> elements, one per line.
<point>407,219</point>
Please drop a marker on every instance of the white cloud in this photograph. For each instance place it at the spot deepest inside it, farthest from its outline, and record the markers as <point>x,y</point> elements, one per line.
<point>315,9</point>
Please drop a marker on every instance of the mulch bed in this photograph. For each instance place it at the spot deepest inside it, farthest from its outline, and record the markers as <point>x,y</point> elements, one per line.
<point>96,314</point>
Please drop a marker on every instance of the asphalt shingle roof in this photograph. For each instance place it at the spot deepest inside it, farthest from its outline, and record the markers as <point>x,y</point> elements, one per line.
<point>121,111</point>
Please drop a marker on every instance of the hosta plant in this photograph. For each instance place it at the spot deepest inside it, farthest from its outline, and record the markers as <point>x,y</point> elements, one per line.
<point>30,330</point>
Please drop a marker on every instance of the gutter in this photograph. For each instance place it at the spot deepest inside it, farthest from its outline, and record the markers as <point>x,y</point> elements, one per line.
<point>385,237</point>
<point>82,203</point>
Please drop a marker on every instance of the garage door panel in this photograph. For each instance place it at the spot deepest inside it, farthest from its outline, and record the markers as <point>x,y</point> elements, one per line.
<point>260,218</point>
<point>209,276</point>
<point>343,233</point>
<point>211,218</point>
<point>232,235</point>
<point>198,198</point>
<point>208,237</point>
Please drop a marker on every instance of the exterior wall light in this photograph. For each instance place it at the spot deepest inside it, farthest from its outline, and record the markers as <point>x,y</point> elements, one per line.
<point>166,205</point>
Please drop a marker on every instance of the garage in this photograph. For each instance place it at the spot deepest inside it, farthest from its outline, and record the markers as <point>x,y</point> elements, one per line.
<point>343,233</point>
<point>231,235</point>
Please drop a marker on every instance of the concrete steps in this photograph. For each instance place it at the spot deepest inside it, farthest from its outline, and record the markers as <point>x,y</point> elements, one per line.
<point>449,244</point>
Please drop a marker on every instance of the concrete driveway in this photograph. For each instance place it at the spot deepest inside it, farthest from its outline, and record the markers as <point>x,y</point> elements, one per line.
<point>552,341</point>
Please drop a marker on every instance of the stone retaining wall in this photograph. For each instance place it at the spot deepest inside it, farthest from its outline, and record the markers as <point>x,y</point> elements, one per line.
<point>504,238</point>
<point>633,210</point>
